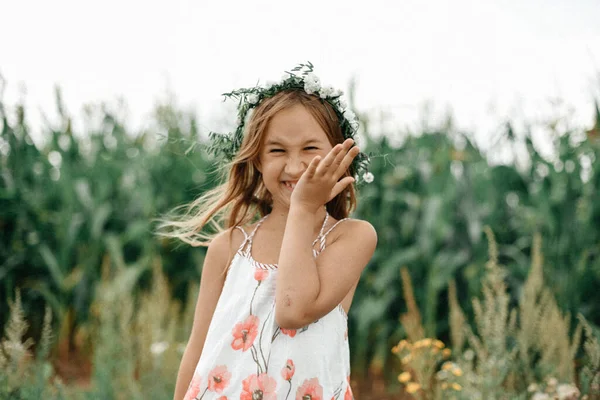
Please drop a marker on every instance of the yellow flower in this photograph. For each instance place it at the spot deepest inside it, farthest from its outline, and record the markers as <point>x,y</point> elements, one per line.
<point>439,344</point>
<point>406,359</point>
<point>435,350</point>
<point>444,385</point>
<point>446,353</point>
<point>457,371</point>
<point>456,386</point>
<point>404,377</point>
<point>423,343</point>
<point>412,387</point>
<point>400,346</point>
<point>447,366</point>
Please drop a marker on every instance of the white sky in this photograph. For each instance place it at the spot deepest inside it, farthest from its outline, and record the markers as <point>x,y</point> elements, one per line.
<point>486,59</point>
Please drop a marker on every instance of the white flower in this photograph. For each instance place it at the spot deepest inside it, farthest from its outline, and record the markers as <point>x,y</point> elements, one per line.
<point>252,98</point>
<point>337,93</point>
<point>158,348</point>
<point>532,388</point>
<point>567,392</point>
<point>312,83</point>
<point>354,124</point>
<point>327,91</point>
<point>469,355</point>
<point>368,177</point>
<point>268,85</point>
<point>285,77</point>
<point>238,121</point>
<point>312,78</point>
<point>342,103</point>
<point>349,115</point>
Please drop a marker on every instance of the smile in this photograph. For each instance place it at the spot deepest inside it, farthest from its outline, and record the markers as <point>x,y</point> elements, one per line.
<point>290,185</point>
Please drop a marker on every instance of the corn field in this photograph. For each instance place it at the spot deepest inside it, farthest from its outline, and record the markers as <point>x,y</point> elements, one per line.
<point>77,211</point>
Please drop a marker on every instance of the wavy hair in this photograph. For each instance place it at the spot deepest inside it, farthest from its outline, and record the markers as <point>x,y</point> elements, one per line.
<point>243,197</point>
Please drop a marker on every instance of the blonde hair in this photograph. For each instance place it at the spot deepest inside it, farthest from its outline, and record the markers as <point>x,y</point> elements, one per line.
<point>243,195</point>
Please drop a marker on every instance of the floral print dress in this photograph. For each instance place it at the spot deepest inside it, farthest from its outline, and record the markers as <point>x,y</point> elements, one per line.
<point>246,356</point>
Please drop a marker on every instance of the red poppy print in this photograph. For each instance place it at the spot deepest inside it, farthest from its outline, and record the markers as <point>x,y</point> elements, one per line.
<point>289,332</point>
<point>288,370</point>
<point>244,333</point>
<point>218,379</point>
<point>348,394</point>
<point>261,274</point>
<point>194,388</point>
<point>260,386</point>
<point>222,398</point>
<point>311,389</point>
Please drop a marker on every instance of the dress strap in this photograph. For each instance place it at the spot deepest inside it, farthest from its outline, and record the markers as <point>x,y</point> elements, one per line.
<point>321,230</point>
<point>321,238</point>
<point>323,226</point>
<point>259,223</point>
<point>247,245</point>
<point>246,237</point>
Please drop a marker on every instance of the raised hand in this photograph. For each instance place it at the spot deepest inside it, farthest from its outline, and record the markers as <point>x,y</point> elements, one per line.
<point>321,182</point>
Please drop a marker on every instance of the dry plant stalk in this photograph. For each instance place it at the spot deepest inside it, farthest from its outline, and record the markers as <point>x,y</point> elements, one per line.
<point>505,354</point>
<point>590,373</point>
<point>156,328</point>
<point>457,319</point>
<point>114,348</point>
<point>24,373</point>
<point>544,332</point>
<point>411,320</point>
<point>15,353</point>
<point>494,323</point>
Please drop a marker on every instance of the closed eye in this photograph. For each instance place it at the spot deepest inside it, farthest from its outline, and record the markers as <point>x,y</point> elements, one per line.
<point>276,151</point>
<point>311,148</point>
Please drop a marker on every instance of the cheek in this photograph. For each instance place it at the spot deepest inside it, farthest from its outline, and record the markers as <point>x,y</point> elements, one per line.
<point>271,167</point>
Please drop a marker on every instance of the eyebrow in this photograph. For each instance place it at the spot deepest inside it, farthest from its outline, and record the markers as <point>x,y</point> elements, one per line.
<point>278,143</point>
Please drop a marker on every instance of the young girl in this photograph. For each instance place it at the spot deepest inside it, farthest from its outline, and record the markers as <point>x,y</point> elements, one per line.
<point>271,316</point>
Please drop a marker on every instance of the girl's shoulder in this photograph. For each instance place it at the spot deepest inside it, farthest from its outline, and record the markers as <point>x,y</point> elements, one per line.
<point>228,241</point>
<point>350,229</point>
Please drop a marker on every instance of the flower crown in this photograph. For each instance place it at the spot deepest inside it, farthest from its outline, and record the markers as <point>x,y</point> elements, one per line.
<point>300,78</point>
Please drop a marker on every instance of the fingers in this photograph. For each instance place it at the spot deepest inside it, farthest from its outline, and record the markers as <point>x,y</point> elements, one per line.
<point>336,157</point>
<point>331,158</point>
<point>346,161</point>
<point>340,186</point>
<point>312,167</point>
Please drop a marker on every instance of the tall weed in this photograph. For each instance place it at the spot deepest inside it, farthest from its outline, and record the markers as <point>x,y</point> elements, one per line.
<point>508,351</point>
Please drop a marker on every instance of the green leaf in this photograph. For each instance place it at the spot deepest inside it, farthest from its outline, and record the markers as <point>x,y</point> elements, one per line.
<point>52,265</point>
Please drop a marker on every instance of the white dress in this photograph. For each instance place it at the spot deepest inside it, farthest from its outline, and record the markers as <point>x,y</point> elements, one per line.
<point>247,356</point>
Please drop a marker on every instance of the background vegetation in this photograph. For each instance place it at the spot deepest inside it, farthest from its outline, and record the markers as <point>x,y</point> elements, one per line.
<point>76,235</point>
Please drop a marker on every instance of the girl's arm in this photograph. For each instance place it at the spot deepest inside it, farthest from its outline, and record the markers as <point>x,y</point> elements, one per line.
<point>308,288</point>
<point>211,284</point>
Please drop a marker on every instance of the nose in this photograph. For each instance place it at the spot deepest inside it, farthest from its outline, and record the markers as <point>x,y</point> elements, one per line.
<point>295,166</point>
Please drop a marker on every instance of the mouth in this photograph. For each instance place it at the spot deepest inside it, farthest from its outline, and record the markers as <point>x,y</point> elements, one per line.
<point>290,184</point>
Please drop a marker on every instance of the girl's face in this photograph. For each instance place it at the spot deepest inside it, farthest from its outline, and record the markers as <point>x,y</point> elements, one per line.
<point>293,138</point>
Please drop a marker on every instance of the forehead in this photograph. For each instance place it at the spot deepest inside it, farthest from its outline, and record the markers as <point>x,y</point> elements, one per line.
<point>294,125</point>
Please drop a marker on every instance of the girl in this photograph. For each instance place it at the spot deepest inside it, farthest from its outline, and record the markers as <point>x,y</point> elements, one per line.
<point>271,316</point>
